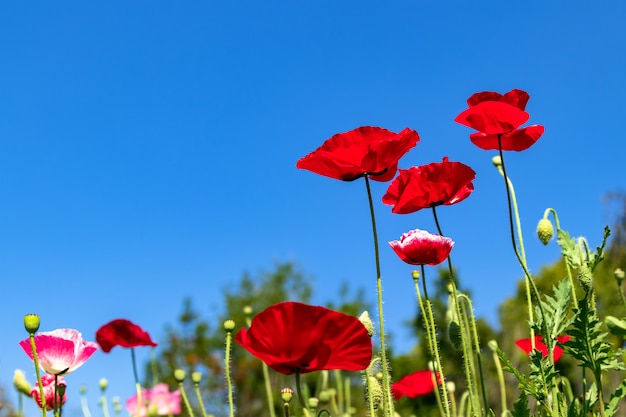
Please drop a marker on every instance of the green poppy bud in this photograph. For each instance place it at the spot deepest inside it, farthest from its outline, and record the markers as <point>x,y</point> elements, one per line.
<point>20,383</point>
<point>31,323</point>
<point>375,391</point>
<point>179,375</point>
<point>545,230</point>
<point>619,275</point>
<point>286,394</point>
<point>229,325</point>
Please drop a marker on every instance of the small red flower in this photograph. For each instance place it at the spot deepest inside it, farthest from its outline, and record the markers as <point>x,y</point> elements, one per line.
<point>293,336</point>
<point>526,346</point>
<point>60,351</point>
<point>415,385</point>
<point>47,382</point>
<point>124,333</point>
<point>418,247</point>
<point>494,114</point>
<point>429,186</point>
<point>367,150</point>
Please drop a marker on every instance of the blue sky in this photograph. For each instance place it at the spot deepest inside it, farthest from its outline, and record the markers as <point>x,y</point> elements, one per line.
<point>148,149</point>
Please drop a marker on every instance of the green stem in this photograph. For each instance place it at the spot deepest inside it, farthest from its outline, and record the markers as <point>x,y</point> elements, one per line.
<point>340,391</point>
<point>470,326</point>
<point>474,337</point>
<point>137,384</point>
<point>431,334</point>
<point>368,383</point>
<point>387,398</point>
<point>183,394</point>
<point>299,392</point>
<point>268,382</point>
<point>196,386</point>
<point>38,373</point>
<point>496,360</point>
<point>229,384</point>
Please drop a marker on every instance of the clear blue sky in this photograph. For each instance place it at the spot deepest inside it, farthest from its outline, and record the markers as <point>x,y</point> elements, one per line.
<point>148,149</point>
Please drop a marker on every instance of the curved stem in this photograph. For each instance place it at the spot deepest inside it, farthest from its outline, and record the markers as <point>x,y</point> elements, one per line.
<point>387,398</point>
<point>229,384</point>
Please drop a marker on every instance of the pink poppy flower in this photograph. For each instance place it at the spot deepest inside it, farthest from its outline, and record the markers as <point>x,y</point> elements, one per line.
<point>47,381</point>
<point>157,401</point>
<point>60,351</point>
<point>418,247</point>
<point>124,333</point>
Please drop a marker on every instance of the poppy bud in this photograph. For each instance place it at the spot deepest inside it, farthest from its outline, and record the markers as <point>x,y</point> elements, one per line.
<point>117,405</point>
<point>496,161</point>
<point>493,345</point>
<point>196,377</point>
<point>31,323</point>
<point>619,275</point>
<point>179,375</point>
<point>545,230</point>
<point>367,322</point>
<point>450,387</point>
<point>314,402</point>
<point>375,391</point>
<point>229,325</point>
<point>585,277</point>
<point>286,394</point>
<point>247,310</point>
<point>20,383</point>
<point>415,274</point>
<point>103,384</point>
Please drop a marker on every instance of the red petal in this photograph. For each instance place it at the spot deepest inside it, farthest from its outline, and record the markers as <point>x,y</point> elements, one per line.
<point>415,385</point>
<point>124,333</point>
<point>493,117</point>
<point>294,336</point>
<point>366,150</point>
<point>517,140</point>
<point>517,98</point>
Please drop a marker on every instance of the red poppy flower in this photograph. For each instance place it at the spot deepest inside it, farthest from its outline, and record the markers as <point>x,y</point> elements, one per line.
<point>415,385</point>
<point>418,247</point>
<point>430,185</point>
<point>292,337</point>
<point>124,333</point>
<point>494,114</point>
<point>526,346</point>
<point>367,150</point>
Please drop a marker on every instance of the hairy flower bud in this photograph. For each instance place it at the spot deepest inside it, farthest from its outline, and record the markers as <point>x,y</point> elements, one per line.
<point>229,325</point>
<point>585,277</point>
<point>545,230</point>
<point>179,375</point>
<point>619,275</point>
<point>374,391</point>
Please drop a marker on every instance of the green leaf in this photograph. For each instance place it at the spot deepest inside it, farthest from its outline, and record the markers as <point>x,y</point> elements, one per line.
<point>520,407</point>
<point>617,396</point>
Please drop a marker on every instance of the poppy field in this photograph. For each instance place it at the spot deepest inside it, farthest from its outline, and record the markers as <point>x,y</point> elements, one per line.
<point>338,364</point>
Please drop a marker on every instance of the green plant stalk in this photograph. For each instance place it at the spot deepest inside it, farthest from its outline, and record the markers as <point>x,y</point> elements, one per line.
<point>466,344</point>
<point>31,338</point>
<point>474,338</point>
<point>510,194</point>
<point>154,367</point>
<point>183,394</point>
<point>137,384</point>
<point>229,383</point>
<point>370,398</point>
<point>20,405</point>
<point>57,401</point>
<point>567,268</point>
<point>348,399</point>
<point>83,404</point>
<point>452,402</point>
<point>340,396</point>
<point>511,199</point>
<point>468,359</point>
<point>496,360</point>
<point>431,334</point>
<point>299,393</point>
<point>388,407</point>
<point>196,387</point>
<point>104,404</point>
<point>268,382</point>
